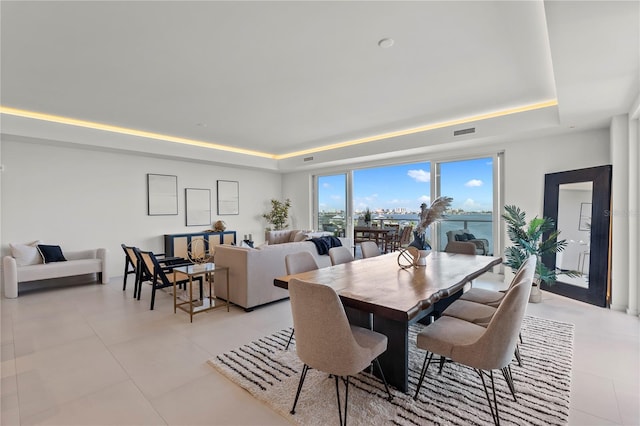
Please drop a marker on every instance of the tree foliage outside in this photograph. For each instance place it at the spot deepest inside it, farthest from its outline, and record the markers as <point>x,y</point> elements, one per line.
<point>528,239</point>
<point>279,214</point>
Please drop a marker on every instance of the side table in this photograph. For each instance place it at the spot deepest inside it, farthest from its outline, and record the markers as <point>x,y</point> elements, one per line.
<point>210,302</point>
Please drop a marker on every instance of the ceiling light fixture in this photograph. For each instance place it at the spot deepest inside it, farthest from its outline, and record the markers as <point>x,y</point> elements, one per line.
<point>125,131</point>
<point>386,43</point>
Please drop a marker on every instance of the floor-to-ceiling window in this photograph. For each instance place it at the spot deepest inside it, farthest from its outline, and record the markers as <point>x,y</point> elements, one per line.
<point>393,194</point>
<point>331,203</point>
<point>470,184</point>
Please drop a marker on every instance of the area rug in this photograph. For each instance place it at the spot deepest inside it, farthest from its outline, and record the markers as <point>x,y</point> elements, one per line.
<point>455,397</point>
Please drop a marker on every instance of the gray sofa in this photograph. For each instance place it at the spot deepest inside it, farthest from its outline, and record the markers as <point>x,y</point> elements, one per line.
<point>251,271</point>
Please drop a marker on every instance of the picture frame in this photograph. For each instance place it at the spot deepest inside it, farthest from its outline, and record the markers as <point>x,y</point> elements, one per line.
<point>197,206</point>
<point>162,195</point>
<point>584,223</point>
<point>228,197</point>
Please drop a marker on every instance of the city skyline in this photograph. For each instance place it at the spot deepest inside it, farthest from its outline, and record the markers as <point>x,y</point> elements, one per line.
<point>406,186</point>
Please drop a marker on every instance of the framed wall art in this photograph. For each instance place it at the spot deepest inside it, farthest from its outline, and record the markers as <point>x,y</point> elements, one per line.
<point>162,195</point>
<point>228,197</point>
<point>198,206</point>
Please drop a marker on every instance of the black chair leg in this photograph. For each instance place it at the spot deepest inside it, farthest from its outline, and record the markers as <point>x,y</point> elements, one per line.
<point>289,342</point>
<point>302,377</point>
<point>442,360</point>
<point>518,357</point>
<point>508,377</point>
<point>493,406</point>
<point>377,363</point>
<point>425,365</point>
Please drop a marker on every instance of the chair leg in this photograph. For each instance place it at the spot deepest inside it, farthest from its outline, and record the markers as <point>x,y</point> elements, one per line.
<point>377,363</point>
<point>302,377</point>
<point>338,398</point>
<point>289,342</point>
<point>442,360</point>
<point>425,365</point>
<point>518,357</point>
<point>520,336</point>
<point>493,406</point>
<point>153,295</point>
<point>126,272</point>
<point>508,377</point>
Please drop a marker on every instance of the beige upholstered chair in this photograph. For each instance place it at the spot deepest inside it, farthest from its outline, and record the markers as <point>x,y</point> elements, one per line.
<point>297,263</point>
<point>492,297</point>
<point>340,255</point>
<point>481,314</point>
<point>325,340</point>
<point>484,349</point>
<point>369,249</point>
<point>460,247</point>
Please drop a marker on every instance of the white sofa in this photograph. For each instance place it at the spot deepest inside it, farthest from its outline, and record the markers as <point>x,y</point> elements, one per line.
<point>78,263</point>
<point>251,271</point>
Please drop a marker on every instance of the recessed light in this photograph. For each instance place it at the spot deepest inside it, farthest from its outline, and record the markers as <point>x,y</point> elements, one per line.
<point>386,43</point>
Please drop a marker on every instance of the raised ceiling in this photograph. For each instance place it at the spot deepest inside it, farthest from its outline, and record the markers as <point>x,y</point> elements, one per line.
<point>285,77</point>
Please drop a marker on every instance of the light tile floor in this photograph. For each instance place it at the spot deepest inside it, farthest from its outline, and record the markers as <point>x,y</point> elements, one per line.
<point>90,354</point>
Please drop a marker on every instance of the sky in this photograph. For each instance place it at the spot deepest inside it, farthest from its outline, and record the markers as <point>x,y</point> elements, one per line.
<point>469,183</point>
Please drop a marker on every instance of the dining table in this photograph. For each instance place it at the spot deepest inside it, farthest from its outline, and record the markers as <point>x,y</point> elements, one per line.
<point>379,294</point>
<point>373,233</point>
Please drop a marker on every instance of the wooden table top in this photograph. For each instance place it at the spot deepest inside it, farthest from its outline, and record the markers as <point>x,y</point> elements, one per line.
<point>380,286</point>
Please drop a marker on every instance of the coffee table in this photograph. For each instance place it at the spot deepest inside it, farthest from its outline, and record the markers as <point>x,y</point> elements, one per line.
<point>208,303</point>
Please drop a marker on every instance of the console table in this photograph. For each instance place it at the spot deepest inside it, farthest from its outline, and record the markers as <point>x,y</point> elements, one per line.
<point>178,244</point>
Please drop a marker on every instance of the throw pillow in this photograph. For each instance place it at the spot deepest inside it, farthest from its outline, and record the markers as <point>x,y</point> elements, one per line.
<point>300,236</point>
<point>461,237</point>
<point>51,253</point>
<point>26,254</point>
<point>470,236</point>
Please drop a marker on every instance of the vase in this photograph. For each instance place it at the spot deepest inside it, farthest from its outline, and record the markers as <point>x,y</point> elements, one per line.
<point>536,295</point>
<point>422,257</point>
<point>420,241</point>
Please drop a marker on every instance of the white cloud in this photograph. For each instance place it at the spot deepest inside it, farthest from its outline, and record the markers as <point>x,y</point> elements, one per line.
<point>424,199</point>
<point>336,197</point>
<point>326,185</point>
<point>419,175</point>
<point>471,204</point>
<point>473,183</point>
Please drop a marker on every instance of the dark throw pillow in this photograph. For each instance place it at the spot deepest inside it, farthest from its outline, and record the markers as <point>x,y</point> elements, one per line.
<point>470,236</point>
<point>51,253</point>
<point>461,237</point>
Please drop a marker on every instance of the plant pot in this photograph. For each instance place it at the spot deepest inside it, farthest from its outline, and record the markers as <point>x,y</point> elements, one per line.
<point>536,294</point>
<point>422,258</point>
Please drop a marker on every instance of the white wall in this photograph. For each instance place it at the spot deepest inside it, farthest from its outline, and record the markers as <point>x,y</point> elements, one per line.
<point>81,198</point>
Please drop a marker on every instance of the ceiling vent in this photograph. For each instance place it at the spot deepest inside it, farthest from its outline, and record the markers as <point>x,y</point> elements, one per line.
<point>307,159</point>
<point>464,131</point>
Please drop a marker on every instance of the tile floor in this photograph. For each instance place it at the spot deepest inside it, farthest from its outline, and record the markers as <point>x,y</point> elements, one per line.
<point>90,354</point>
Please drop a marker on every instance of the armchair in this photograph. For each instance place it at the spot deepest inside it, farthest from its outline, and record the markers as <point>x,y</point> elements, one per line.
<point>482,244</point>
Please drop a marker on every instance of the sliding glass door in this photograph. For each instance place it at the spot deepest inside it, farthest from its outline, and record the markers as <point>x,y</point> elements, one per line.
<point>471,185</point>
<point>331,204</point>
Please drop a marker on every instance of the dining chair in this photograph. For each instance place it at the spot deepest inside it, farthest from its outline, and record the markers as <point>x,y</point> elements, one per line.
<point>340,255</point>
<point>296,263</point>
<point>405,237</point>
<point>369,249</point>
<point>481,314</point>
<point>325,340</point>
<point>460,247</point>
<point>158,274</point>
<point>131,267</point>
<point>482,348</point>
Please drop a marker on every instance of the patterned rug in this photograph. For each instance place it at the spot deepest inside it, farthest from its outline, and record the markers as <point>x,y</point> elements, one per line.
<point>455,397</point>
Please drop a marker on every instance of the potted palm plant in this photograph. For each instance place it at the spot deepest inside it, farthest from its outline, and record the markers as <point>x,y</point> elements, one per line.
<point>536,237</point>
<point>279,214</point>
